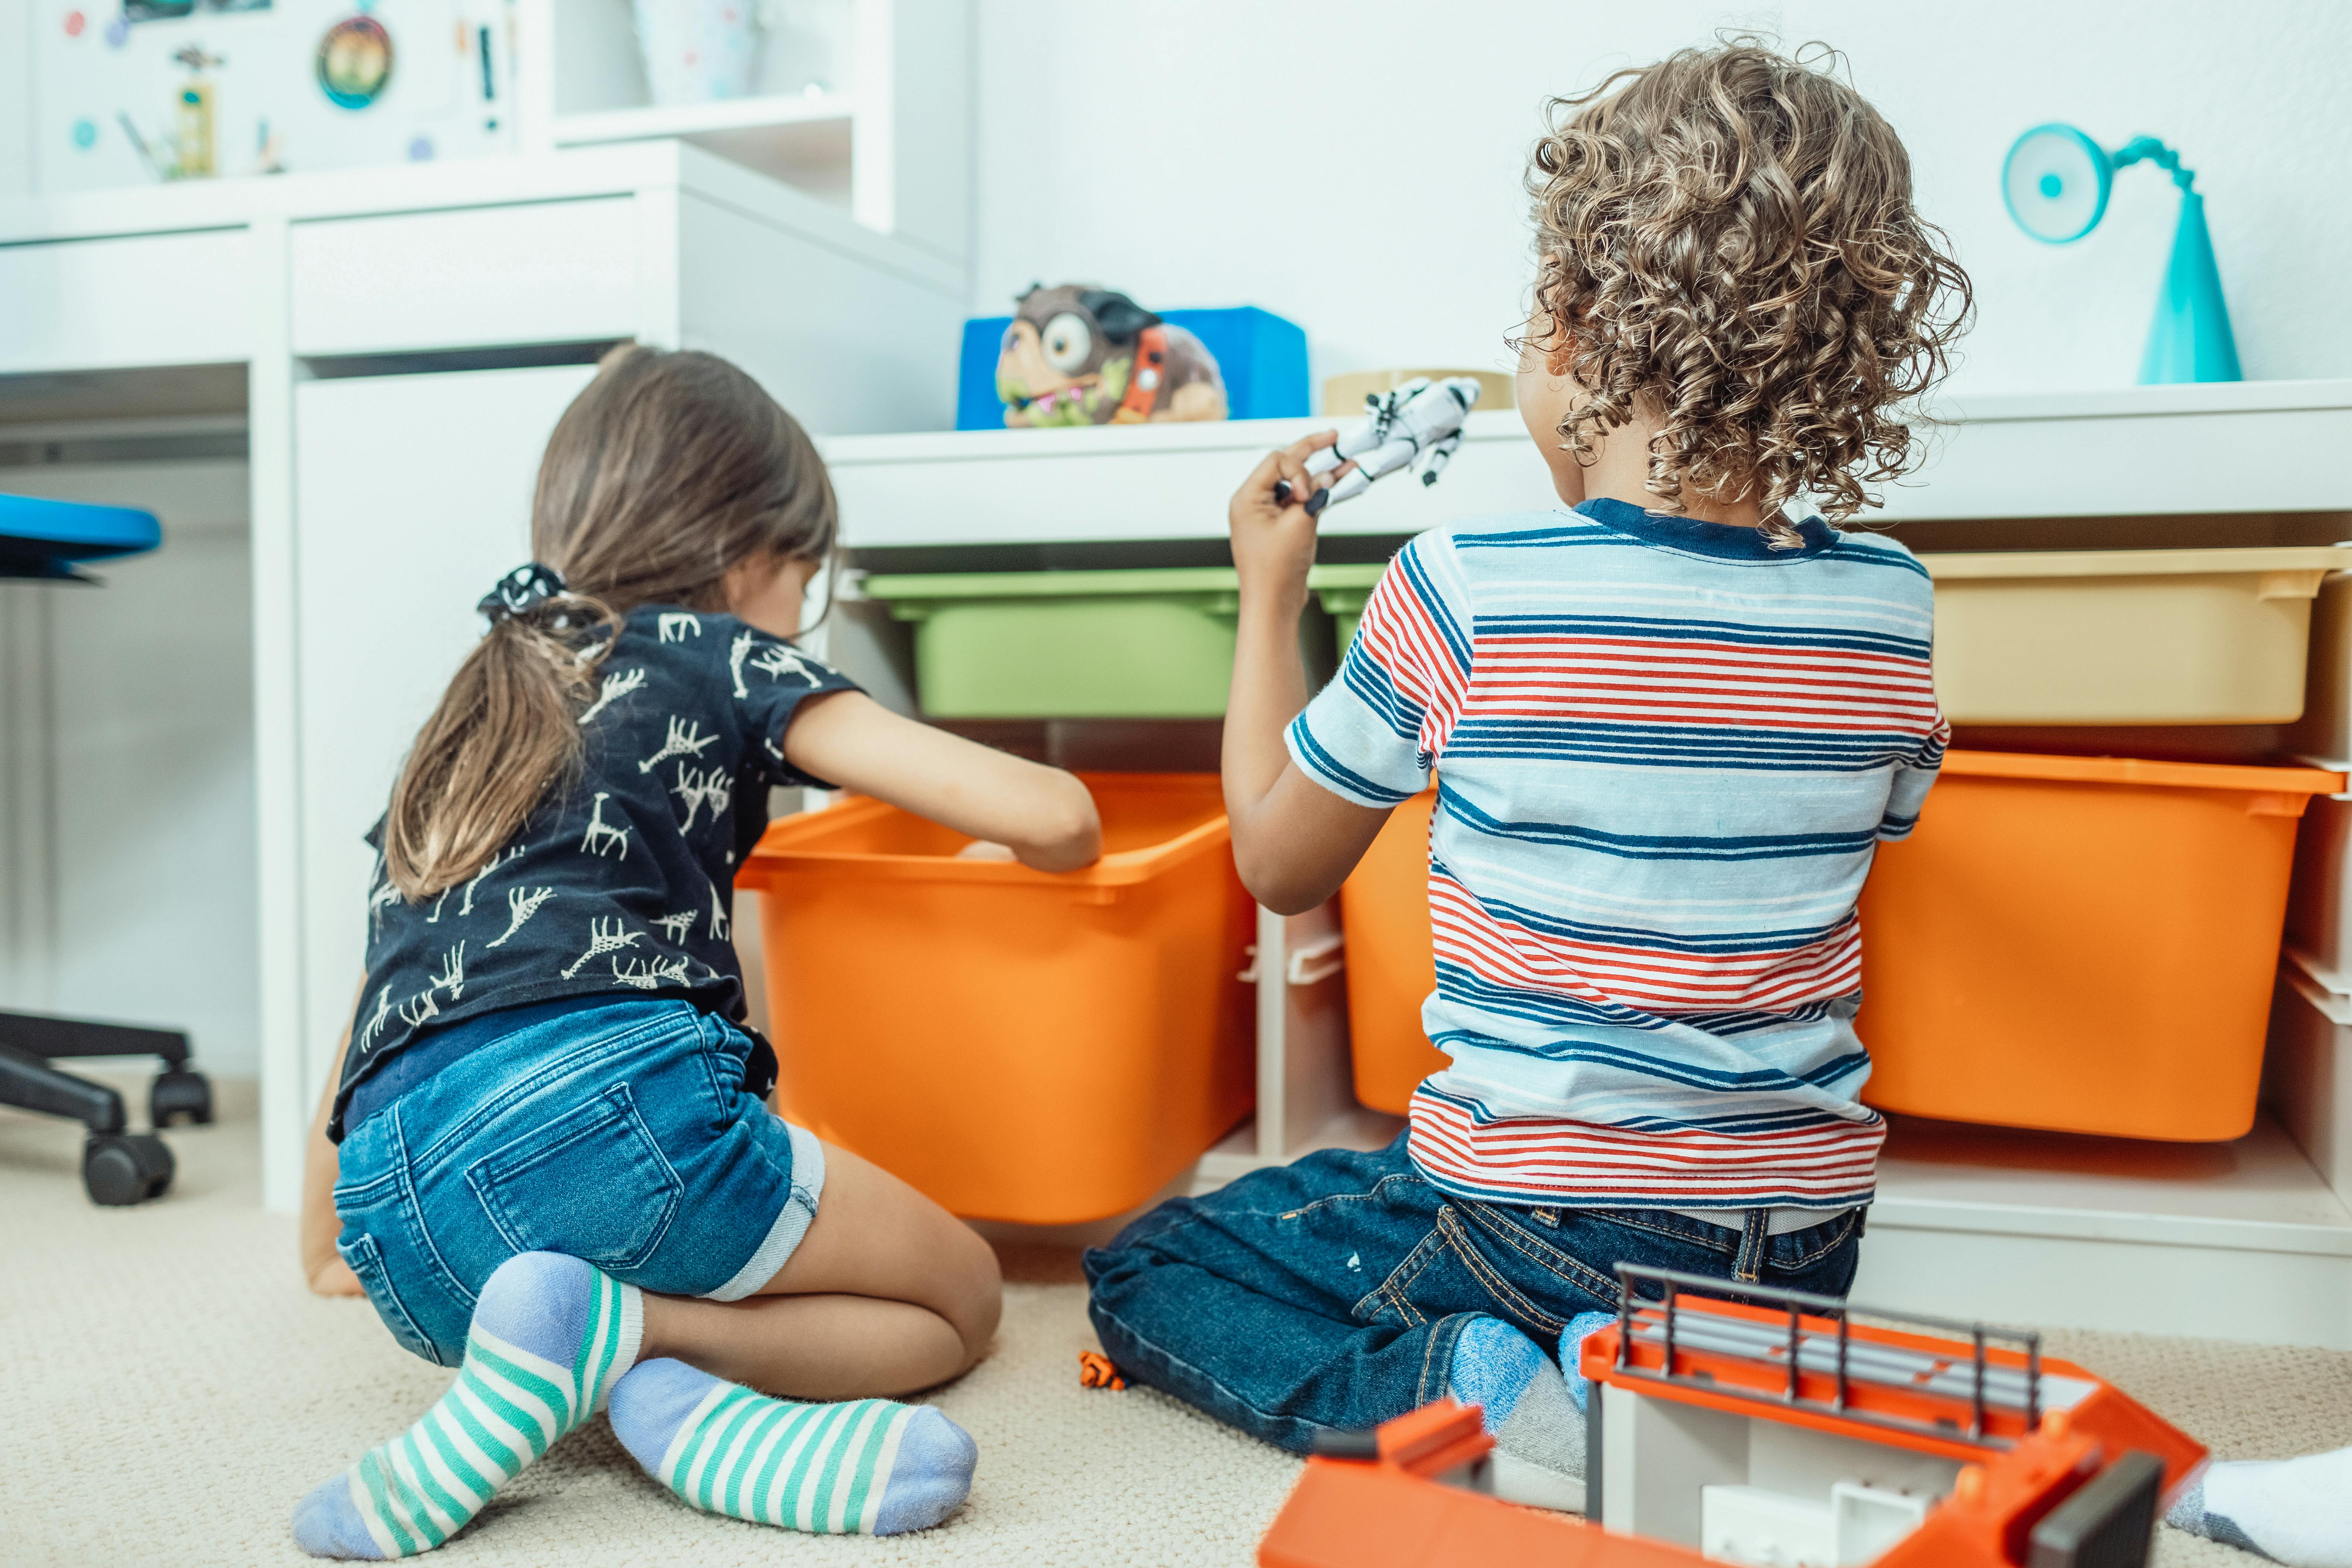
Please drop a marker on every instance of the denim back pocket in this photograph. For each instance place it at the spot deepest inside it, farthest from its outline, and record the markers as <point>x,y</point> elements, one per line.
<point>367,1261</point>
<point>591,1183</point>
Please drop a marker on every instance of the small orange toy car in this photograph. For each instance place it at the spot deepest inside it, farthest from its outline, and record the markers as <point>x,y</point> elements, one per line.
<point>1781,1436</point>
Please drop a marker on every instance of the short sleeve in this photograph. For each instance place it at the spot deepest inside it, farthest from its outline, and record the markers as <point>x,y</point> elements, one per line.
<point>1914,776</point>
<point>1372,735</point>
<point>769,678</point>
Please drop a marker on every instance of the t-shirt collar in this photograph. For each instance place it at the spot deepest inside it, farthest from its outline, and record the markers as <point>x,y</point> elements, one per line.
<point>1725,540</point>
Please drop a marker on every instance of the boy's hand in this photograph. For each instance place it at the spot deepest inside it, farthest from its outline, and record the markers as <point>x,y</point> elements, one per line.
<point>1274,544</point>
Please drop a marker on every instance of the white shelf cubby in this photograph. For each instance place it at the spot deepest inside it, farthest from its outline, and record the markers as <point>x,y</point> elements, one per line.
<point>863,103</point>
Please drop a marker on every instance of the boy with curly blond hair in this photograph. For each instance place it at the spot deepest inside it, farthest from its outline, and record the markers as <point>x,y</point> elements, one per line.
<point>1668,726</point>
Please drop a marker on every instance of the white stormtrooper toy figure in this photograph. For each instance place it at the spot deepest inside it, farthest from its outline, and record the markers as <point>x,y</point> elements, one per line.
<point>1421,421</point>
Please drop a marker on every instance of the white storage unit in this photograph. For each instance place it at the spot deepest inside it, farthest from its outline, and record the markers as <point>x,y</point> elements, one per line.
<point>2130,452</point>
<point>1976,1221</point>
<point>387,578</point>
<point>863,103</point>
<point>2325,728</point>
<point>1115,483</point>
<point>403,340</point>
<point>2319,905</point>
<point>2308,1078</point>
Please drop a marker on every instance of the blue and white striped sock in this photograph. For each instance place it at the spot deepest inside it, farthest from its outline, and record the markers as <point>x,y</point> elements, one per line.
<point>551,1337</point>
<point>865,1467</point>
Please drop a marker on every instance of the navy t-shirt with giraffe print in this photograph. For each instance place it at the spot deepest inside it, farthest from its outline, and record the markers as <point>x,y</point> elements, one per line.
<point>621,881</point>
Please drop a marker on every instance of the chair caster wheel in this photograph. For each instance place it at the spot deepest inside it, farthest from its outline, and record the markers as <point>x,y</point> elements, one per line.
<point>179,1092</point>
<point>119,1168</point>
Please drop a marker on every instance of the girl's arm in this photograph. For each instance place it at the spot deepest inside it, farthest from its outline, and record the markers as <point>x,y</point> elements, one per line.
<point>1294,841</point>
<point>323,1266</point>
<point>1043,815</point>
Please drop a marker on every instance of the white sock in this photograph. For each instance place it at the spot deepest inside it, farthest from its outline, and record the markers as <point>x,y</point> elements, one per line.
<point>2295,1511</point>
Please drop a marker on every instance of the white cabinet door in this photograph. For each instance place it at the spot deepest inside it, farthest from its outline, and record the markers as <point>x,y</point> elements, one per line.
<point>412,495</point>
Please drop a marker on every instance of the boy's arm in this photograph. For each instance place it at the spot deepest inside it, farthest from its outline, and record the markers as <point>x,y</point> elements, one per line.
<point>1294,841</point>
<point>1044,814</point>
<point>1914,777</point>
<point>323,1266</point>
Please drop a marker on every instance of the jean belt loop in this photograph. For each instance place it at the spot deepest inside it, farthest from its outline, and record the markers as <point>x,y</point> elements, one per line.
<point>1755,1234</point>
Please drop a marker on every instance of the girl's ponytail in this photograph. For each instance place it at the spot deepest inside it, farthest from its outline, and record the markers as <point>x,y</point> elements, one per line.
<point>669,469</point>
<point>505,733</point>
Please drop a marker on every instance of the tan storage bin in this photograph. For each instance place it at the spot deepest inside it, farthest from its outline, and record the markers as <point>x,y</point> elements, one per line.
<point>2126,636</point>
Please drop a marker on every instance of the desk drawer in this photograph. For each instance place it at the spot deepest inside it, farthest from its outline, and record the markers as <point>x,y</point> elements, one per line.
<point>145,300</point>
<point>470,277</point>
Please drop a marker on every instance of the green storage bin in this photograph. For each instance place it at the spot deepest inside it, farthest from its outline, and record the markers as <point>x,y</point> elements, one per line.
<point>1153,644</point>
<point>1344,590</point>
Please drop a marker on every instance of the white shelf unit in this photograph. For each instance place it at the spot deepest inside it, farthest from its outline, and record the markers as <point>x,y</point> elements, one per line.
<point>2244,1239</point>
<point>865,104</point>
<point>695,121</point>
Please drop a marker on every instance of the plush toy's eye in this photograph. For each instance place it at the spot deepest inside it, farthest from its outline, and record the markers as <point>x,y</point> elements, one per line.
<point>1068,342</point>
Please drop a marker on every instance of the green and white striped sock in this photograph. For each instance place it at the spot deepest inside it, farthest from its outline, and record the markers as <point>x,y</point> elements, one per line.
<point>551,1337</point>
<point>869,1467</point>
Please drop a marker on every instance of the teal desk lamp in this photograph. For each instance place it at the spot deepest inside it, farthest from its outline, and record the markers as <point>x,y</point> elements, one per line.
<point>2055,182</point>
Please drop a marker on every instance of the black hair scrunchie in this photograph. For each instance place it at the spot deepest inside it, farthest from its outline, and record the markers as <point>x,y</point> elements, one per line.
<point>520,590</point>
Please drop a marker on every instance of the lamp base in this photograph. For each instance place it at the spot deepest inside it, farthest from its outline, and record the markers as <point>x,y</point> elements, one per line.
<point>2189,339</point>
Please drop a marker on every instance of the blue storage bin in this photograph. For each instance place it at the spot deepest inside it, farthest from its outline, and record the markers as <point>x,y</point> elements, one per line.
<point>1262,357</point>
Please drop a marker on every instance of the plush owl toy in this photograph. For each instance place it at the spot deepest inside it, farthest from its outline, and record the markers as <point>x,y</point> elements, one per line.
<point>1092,356</point>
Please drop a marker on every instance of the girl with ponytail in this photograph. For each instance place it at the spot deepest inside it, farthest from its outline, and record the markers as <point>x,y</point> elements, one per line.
<point>545,1154</point>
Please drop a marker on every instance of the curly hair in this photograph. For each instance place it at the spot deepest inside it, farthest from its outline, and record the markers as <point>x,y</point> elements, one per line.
<point>1726,244</point>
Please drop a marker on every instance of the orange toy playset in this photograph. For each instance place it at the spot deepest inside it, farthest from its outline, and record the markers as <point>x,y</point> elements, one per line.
<point>1782,1436</point>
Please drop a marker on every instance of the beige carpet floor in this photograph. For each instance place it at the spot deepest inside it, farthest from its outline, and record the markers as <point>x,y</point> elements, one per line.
<point>168,1388</point>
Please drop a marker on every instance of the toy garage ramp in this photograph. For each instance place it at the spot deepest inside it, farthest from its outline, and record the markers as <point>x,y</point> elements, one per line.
<point>1781,1436</point>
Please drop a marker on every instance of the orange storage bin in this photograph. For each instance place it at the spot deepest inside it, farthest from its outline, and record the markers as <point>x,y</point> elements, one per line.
<point>2081,943</point>
<point>1392,969</point>
<point>1046,1049</point>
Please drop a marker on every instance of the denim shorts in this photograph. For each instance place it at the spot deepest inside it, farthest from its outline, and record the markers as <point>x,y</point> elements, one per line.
<point>620,1134</point>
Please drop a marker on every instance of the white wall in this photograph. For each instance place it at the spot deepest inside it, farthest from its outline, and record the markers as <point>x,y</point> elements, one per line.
<point>1355,165</point>
<point>15,99</point>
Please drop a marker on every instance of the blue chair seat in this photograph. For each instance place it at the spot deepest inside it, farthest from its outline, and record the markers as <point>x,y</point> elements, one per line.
<point>41,538</point>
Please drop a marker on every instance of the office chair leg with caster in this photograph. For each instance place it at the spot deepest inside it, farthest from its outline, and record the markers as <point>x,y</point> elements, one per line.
<point>179,1092</point>
<point>118,1166</point>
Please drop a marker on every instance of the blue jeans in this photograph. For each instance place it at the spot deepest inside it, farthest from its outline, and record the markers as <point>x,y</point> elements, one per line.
<point>620,1134</point>
<point>1329,1293</point>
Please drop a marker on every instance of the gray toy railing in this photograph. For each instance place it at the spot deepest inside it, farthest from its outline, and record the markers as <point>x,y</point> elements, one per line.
<point>1984,1384</point>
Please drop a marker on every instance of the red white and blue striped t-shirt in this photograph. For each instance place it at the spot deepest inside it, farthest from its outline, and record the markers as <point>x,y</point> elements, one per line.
<point>1666,752</point>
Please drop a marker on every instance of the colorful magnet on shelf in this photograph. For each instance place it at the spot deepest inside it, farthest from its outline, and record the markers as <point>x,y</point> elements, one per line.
<point>85,134</point>
<point>74,23</point>
<point>420,149</point>
<point>355,62</point>
<point>117,32</point>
